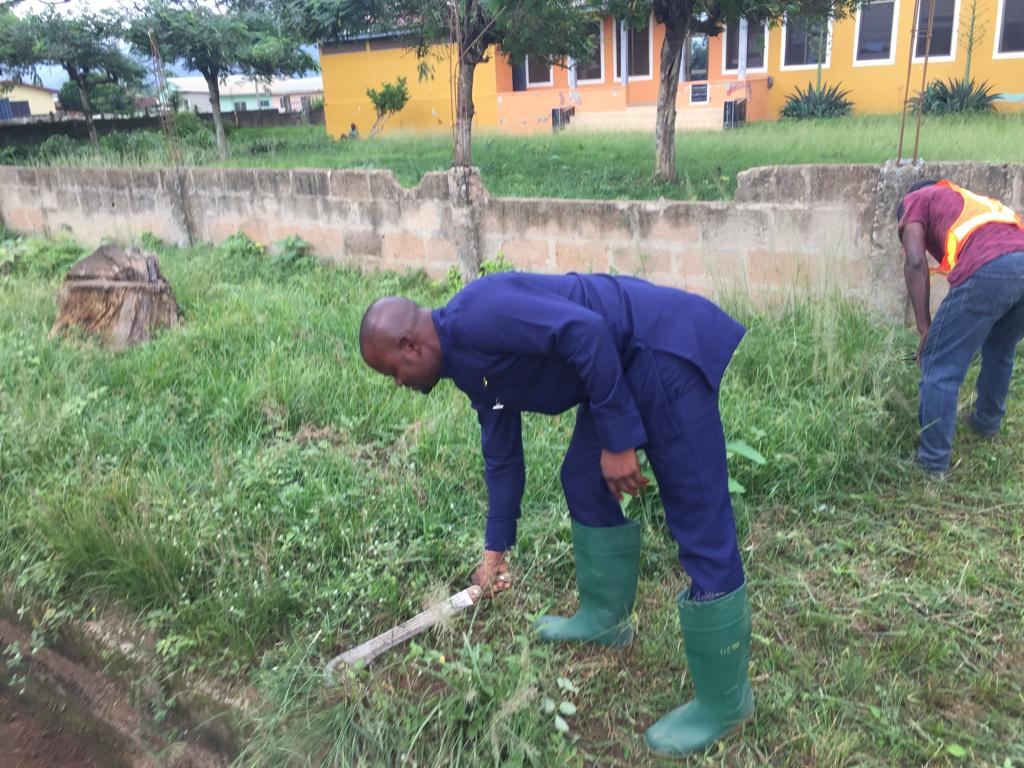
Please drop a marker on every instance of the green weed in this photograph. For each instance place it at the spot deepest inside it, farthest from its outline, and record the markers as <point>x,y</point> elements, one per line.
<point>568,164</point>
<point>259,499</point>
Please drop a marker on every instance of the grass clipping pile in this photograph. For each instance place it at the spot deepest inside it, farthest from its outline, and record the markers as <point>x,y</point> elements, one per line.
<point>117,294</point>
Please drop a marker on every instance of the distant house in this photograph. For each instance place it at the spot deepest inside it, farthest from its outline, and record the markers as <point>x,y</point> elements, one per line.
<point>297,94</point>
<point>143,103</point>
<point>18,100</point>
<point>242,93</point>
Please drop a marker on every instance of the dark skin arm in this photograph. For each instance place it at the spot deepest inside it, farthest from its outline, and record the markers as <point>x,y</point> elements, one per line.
<point>915,272</point>
<point>622,474</point>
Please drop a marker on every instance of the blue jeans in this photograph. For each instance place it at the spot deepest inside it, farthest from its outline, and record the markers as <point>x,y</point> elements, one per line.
<point>984,312</point>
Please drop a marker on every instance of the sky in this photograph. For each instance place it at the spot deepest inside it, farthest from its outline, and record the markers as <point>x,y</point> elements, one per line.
<point>55,77</point>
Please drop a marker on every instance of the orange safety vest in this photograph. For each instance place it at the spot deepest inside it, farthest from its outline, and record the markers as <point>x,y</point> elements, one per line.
<point>978,211</point>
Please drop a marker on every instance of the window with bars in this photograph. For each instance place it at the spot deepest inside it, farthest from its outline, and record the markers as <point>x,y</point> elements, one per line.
<point>538,71</point>
<point>696,61</point>
<point>756,37</point>
<point>639,51</point>
<point>874,31</point>
<point>806,43</point>
<point>591,66</point>
<point>1011,27</point>
<point>942,29</point>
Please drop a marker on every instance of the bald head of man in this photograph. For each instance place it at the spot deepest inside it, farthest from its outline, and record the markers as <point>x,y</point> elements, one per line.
<point>397,338</point>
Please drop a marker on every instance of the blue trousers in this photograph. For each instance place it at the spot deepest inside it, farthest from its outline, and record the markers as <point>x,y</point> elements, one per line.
<point>688,459</point>
<point>986,313</point>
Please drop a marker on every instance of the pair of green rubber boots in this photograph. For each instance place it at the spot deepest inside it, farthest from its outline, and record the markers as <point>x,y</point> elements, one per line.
<point>716,634</point>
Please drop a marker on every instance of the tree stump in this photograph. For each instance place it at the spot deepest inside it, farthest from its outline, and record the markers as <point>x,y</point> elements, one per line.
<point>118,294</point>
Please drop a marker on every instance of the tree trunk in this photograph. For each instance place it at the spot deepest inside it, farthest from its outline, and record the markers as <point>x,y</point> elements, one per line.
<point>668,88</point>
<point>119,295</point>
<point>218,121</point>
<point>464,110</point>
<point>83,94</point>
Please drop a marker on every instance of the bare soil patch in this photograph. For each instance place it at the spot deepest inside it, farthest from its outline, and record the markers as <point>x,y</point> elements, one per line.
<point>33,739</point>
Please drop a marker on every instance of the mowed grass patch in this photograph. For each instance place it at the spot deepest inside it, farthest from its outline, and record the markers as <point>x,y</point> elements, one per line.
<point>258,499</point>
<point>582,165</point>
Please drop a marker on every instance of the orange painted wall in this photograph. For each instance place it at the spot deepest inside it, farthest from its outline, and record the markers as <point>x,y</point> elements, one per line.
<point>529,110</point>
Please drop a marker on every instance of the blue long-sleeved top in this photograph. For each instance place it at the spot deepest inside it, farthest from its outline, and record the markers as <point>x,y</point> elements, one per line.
<point>517,342</point>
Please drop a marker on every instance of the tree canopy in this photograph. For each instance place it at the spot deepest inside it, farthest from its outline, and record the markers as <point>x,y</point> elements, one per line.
<point>236,37</point>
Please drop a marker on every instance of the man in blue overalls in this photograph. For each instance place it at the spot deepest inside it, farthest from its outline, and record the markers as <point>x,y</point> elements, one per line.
<point>643,364</point>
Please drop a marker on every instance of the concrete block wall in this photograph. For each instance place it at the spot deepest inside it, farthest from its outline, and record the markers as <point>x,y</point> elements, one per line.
<point>359,218</point>
<point>826,227</point>
<point>93,203</point>
<point>698,246</point>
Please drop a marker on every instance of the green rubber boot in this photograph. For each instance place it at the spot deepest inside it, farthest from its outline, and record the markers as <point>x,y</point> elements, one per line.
<point>607,569</point>
<point>717,636</point>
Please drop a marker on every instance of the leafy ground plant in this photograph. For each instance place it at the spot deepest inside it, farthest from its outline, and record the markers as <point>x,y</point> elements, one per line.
<point>256,498</point>
<point>817,101</point>
<point>942,97</point>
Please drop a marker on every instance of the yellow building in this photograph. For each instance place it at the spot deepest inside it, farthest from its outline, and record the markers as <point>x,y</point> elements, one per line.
<point>25,101</point>
<point>349,68</point>
<point>866,54</point>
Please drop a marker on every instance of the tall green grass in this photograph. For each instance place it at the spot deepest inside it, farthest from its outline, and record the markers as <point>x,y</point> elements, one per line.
<point>257,498</point>
<point>573,164</point>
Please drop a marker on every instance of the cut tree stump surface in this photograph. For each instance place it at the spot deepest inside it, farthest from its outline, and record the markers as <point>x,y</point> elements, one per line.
<point>118,294</point>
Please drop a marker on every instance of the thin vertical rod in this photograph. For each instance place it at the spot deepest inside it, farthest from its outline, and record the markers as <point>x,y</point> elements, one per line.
<point>924,77</point>
<point>906,90</point>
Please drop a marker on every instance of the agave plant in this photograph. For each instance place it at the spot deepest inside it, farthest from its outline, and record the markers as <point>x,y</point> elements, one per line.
<point>817,101</point>
<point>955,97</point>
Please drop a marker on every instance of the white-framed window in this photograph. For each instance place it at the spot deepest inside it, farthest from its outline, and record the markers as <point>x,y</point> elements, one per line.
<point>538,73</point>
<point>264,103</point>
<point>590,69</point>
<point>695,58</point>
<point>757,48</point>
<point>641,51</point>
<point>1009,30</point>
<point>874,42</point>
<point>944,30</point>
<point>699,93</point>
<point>804,41</point>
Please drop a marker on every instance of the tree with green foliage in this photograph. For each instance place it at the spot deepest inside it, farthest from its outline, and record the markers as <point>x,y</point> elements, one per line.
<point>106,98</point>
<point>550,29</point>
<point>14,47</point>
<point>388,101</point>
<point>683,17</point>
<point>233,37</point>
<point>87,46</point>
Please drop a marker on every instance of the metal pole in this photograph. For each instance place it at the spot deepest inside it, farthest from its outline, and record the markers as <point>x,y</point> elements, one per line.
<point>924,76</point>
<point>163,97</point>
<point>906,90</point>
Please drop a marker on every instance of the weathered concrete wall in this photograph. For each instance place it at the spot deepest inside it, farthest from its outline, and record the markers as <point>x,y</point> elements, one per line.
<point>362,218</point>
<point>827,226</point>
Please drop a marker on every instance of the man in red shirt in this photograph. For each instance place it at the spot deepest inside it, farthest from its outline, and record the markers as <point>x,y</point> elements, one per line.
<point>979,244</point>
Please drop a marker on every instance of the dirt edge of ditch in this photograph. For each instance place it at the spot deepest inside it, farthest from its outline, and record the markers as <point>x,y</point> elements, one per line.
<point>97,678</point>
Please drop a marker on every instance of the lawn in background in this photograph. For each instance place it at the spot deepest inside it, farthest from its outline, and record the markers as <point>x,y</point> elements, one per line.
<point>574,165</point>
<point>257,499</point>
